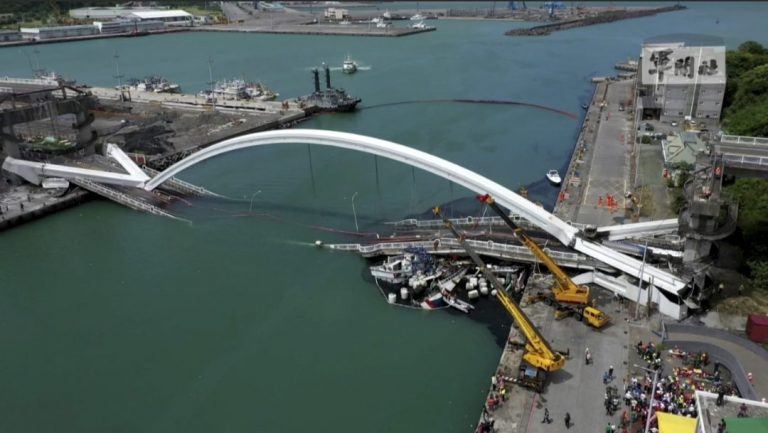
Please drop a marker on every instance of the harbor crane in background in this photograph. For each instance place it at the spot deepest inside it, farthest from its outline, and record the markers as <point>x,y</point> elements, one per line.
<point>570,297</point>
<point>539,357</point>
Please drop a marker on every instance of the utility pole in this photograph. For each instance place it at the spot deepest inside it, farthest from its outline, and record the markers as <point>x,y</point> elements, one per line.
<point>118,75</point>
<point>354,212</point>
<point>211,82</point>
<point>651,395</point>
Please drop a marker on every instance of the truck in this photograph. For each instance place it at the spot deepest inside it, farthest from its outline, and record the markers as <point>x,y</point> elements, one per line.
<point>569,297</point>
<point>538,358</point>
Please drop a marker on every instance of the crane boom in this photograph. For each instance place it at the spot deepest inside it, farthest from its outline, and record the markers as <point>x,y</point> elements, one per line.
<point>537,350</point>
<point>565,289</point>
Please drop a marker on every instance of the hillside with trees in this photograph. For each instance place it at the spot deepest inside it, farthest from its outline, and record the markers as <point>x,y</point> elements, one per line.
<point>745,112</point>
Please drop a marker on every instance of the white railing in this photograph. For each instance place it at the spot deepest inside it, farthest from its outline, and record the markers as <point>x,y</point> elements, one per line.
<point>119,197</point>
<point>746,159</point>
<point>744,141</point>
<point>519,252</point>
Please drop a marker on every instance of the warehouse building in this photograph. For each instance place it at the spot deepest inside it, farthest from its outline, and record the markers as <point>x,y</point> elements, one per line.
<point>9,36</point>
<point>43,33</point>
<point>106,13</point>
<point>175,17</point>
<point>682,77</point>
<point>127,26</point>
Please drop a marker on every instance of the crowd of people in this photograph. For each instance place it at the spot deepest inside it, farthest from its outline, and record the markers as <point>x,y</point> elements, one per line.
<point>674,393</point>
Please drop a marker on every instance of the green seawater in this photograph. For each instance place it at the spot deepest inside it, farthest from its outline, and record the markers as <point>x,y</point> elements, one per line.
<point>112,320</point>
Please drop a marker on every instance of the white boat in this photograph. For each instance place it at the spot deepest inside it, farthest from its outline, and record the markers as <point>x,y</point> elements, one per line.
<point>53,76</point>
<point>383,25</point>
<point>420,25</point>
<point>377,20</point>
<point>554,177</point>
<point>154,83</point>
<point>386,15</point>
<point>345,23</point>
<point>395,270</point>
<point>349,66</point>
<point>418,17</point>
<point>457,303</point>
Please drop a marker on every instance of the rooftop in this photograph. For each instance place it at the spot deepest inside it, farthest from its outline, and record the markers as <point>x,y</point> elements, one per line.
<point>683,147</point>
<point>147,15</point>
<point>710,414</point>
<point>683,59</point>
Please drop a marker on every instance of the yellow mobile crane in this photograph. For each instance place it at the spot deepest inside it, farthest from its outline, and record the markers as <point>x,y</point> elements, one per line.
<point>571,297</point>
<point>539,356</point>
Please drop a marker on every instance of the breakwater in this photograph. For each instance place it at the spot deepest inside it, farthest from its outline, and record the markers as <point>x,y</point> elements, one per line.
<point>600,18</point>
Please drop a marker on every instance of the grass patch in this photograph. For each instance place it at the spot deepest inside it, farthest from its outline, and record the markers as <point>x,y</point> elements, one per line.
<point>198,11</point>
<point>646,202</point>
<point>755,302</point>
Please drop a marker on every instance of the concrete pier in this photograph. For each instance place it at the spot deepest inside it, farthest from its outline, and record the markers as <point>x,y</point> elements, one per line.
<point>601,165</point>
<point>29,203</point>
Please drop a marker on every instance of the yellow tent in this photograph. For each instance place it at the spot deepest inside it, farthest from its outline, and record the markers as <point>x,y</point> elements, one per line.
<point>669,423</point>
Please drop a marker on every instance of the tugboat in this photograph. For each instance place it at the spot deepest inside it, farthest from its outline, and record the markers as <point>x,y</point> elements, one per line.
<point>329,99</point>
<point>554,177</point>
<point>349,66</point>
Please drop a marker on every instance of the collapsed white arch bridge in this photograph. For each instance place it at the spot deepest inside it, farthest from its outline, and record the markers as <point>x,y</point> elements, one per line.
<point>667,282</point>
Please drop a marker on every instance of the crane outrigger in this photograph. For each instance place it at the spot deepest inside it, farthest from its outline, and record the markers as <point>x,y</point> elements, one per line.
<point>570,297</point>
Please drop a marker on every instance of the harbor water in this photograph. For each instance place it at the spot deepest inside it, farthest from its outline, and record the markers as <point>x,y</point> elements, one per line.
<point>113,320</point>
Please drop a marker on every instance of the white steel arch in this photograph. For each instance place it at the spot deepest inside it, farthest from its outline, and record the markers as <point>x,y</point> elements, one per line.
<point>553,225</point>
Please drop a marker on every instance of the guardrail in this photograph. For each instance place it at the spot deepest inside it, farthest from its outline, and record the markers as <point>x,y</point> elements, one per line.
<point>120,198</point>
<point>746,160</point>
<point>518,252</point>
<point>743,141</point>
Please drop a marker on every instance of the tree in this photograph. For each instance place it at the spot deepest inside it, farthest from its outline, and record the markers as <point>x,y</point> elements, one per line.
<point>752,47</point>
<point>759,272</point>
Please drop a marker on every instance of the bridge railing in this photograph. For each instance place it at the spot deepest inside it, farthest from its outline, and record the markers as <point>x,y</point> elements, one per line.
<point>746,160</point>
<point>744,141</point>
<point>481,246</point>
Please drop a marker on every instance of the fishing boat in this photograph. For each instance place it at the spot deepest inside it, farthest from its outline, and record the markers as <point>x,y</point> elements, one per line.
<point>235,90</point>
<point>349,66</point>
<point>433,302</point>
<point>418,17</point>
<point>554,177</point>
<point>53,76</point>
<point>154,83</point>
<point>395,270</point>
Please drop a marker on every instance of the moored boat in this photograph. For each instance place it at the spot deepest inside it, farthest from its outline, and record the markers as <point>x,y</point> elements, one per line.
<point>554,177</point>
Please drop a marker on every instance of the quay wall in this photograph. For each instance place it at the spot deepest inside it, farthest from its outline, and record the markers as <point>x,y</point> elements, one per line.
<point>89,37</point>
<point>571,190</point>
<point>11,219</point>
<point>601,18</point>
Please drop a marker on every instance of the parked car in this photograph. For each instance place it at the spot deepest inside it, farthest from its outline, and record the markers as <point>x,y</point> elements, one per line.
<point>621,107</point>
<point>674,123</point>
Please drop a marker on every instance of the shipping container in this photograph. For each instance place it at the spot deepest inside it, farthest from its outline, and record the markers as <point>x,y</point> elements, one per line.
<point>757,328</point>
